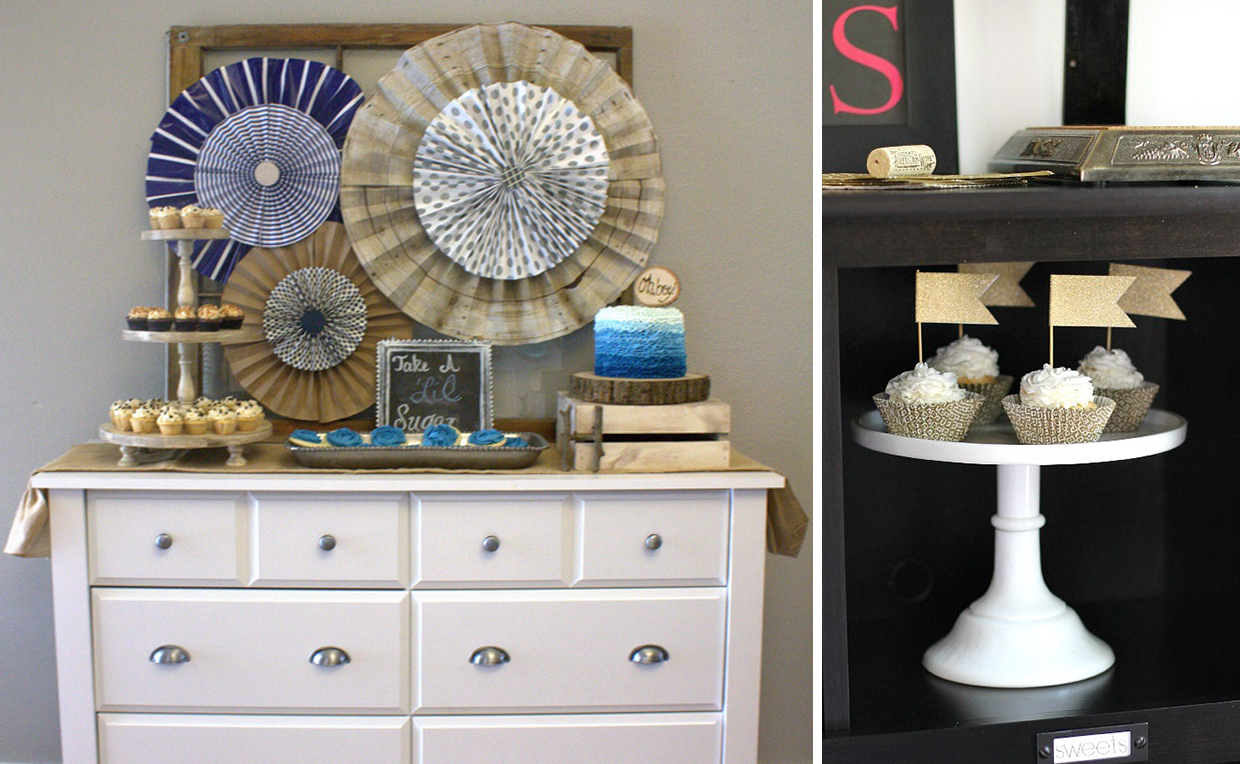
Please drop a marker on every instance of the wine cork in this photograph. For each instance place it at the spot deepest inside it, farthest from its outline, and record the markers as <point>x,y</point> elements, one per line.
<point>900,161</point>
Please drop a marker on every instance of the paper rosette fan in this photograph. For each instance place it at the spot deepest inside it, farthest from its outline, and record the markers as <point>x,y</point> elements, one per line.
<point>260,140</point>
<point>321,319</point>
<point>502,184</point>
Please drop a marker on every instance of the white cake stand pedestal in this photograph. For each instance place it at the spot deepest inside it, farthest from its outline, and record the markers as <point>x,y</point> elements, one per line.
<point>1018,634</point>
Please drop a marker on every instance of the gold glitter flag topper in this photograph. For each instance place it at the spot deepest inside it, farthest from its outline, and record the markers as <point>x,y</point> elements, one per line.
<point>1089,300</point>
<point>953,298</point>
<point>1006,292</point>
<point>1151,294</point>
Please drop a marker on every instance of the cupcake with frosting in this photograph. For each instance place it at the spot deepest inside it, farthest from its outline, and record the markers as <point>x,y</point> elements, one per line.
<point>927,403</point>
<point>212,217</point>
<point>158,320</point>
<point>249,415</point>
<point>1057,405</point>
<point>1115,377</point>
<point>231,317</point>
<point>195,421</point>
<point>223,420</point>
<point>165,218</point>
<point>208,318</point>
<point>142,420</point>
<point>192,216</point>
<point>170,421</point>
<point>185,319</point>
<point>137,318</point>
<point>976,367</point>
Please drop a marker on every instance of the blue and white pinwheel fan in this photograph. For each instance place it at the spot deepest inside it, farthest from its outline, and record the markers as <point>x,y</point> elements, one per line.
<point>260,140</point>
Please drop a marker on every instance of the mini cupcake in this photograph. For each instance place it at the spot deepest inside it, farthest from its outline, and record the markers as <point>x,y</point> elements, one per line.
<point>185,319</point>
<point>119,412</point>
<point>142,420</point>
<point>249,415</point>
<point>208,318</point>
<point>204,404</point>
<point>212,218</point>
<point>136,319</point>
<point>231,317</point>
<point>192,216</point>
<point>195,422</point>
<point>158,320</point>
<point>165,218</point>
<point>229,402</point>
<point>223,420</point>
<point>1057,405</point>
<point>976,367</point>
<point>1115,377</point>
<point>926,403</point>
<point>170,421</point>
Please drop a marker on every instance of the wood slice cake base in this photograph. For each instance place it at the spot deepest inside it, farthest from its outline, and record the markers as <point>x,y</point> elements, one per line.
<point>691,388</point>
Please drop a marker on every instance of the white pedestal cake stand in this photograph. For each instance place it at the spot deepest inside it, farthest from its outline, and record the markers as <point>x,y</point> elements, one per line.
<point>1019,634</point>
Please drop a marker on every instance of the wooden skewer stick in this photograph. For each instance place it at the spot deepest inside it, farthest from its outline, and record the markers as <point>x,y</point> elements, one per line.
<point>960,330</point>
<point>1108,339</point>
<point>1052,353</point>
<point>921,356</point>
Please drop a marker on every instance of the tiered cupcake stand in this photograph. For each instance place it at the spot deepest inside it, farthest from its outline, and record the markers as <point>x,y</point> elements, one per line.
<point>1019,634</point>
<point>136,446</point>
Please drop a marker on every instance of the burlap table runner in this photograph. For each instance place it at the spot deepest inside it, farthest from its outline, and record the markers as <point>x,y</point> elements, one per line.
<point>786,520</point>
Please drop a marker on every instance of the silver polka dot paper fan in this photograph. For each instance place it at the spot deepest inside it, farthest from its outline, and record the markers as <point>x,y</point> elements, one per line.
<point>465,196</point>
<point>509,179</point>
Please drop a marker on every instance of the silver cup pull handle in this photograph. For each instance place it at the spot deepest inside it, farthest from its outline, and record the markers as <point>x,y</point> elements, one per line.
<point>329,656</point>
<point>489,656</point>
<point>649,654</point>
<point>169,654</point>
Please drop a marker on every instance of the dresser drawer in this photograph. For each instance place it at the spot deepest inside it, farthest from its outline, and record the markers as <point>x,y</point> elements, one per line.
<point>680,738</point>
<point>194,739</point>
<point>251,650</point>
<point>331,540</point>
<point>665,537</point>
<point>564,650</point>
<point>164,539</point>
<point>492,540</point>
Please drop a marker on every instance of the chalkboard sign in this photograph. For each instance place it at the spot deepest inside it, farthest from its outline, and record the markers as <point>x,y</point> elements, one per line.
<point>423,383</point>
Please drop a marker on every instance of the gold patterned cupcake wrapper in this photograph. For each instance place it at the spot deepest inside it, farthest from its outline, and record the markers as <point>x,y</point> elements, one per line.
<point>1130,406</point>
<point>1036,425</point>
<point>993,392</point>
<point>931,421</point>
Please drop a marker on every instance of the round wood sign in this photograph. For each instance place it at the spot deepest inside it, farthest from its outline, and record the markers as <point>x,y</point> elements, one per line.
<point>656,287</point>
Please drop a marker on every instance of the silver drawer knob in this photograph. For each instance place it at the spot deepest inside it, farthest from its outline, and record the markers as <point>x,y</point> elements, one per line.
<point>169,654</point>
<point>654,541</point>
<point>327,542</point>
<point>489,656</point>
<point>329,656</point>
<point>490,543</point>
<point>648,654</point>
<point>163,541</point>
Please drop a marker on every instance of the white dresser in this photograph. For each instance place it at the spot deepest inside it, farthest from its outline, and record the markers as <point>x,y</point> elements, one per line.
<point>408,619</point>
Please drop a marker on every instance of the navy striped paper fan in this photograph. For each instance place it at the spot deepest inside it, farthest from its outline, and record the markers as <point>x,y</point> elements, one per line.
<point>260,140</point>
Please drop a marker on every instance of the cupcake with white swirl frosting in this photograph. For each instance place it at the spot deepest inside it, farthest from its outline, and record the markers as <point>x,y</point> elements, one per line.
<point>1057,405</point>
<point>976,367</point>
<point>927,403</point>
<point>1116,377</point>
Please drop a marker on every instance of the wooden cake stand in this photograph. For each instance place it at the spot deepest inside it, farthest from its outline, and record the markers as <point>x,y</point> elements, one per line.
<point>1019,634</point>
<point>130,442</point>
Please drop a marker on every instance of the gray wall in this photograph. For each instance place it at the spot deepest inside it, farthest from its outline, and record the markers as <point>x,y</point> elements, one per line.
<point>727,84</point>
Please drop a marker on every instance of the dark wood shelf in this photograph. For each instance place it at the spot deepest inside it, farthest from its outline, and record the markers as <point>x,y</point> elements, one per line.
<point>1163,598</point>
<point>1047,222</point>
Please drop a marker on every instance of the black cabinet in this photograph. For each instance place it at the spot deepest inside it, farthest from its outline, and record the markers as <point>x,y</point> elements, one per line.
<point>1147,551</point>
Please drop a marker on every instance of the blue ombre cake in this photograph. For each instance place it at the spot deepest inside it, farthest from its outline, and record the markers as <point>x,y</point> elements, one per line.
<point>635,342</point>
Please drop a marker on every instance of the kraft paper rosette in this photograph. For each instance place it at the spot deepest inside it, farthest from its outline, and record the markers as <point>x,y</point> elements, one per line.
<point>1038,425</point>
<point>1130,406</point>
<point>931,421</point>
<point>993,393</point>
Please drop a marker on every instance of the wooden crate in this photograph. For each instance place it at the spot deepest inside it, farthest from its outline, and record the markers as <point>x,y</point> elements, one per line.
<point>618,438</point>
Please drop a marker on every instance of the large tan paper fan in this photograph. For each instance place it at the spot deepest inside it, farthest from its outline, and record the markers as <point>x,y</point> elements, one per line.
<point>377,194</point>
<point>322,395</point>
